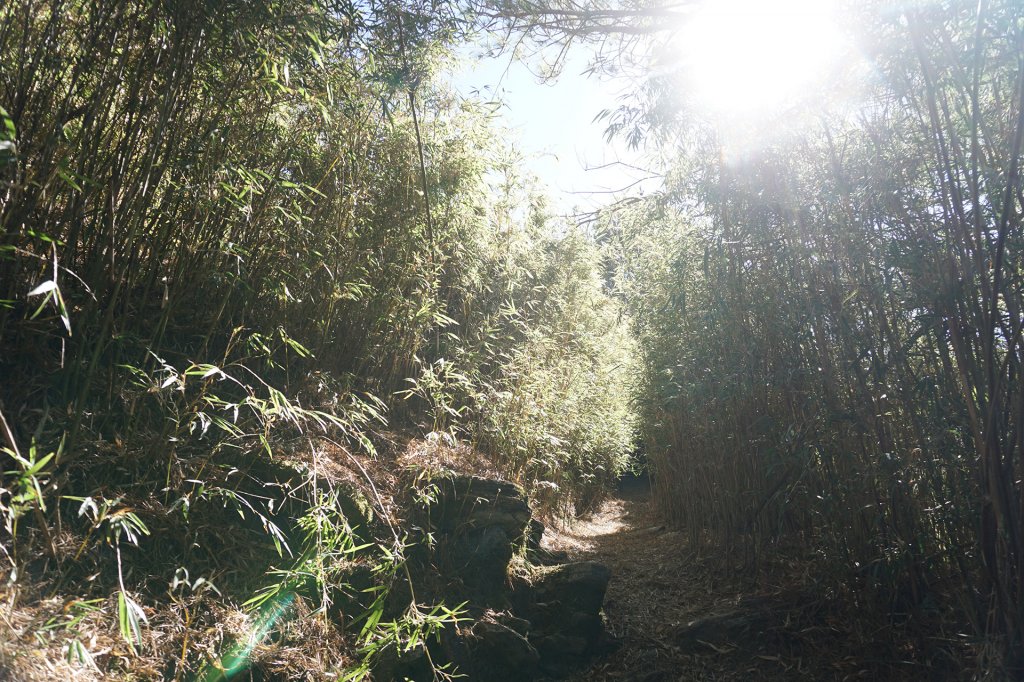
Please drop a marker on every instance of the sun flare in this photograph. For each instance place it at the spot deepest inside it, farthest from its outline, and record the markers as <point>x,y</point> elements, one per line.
<point>749,57</point>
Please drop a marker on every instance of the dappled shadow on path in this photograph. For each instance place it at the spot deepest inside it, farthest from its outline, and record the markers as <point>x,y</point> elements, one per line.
<point>652,590</point>
<point>676,618</point>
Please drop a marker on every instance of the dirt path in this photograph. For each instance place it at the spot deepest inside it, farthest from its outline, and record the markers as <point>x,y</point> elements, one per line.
<point>655,589</point>
<point>676,620</point>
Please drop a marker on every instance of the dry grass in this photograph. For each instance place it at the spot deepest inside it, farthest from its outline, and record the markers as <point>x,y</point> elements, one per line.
<point>195,631</point>
<point>439,452</point>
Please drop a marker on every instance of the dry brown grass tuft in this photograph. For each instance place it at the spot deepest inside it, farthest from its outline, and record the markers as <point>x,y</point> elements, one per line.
<point>192,630</point>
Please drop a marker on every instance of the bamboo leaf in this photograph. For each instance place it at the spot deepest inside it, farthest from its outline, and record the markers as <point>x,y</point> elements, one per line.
<point>45,287</point>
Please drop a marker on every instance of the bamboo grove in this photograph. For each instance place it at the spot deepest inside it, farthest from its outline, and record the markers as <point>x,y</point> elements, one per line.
<point>240,182</point>
<point>227,228</point>
<point>227,225</point>
<point>831,330</point>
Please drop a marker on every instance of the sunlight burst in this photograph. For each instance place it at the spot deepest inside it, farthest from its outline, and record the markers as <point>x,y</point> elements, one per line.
<point>748,57</point>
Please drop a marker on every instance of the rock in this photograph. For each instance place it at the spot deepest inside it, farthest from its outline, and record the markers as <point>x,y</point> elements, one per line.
<point>480,524</point>
<point>477,526</point>
<point>266,475</point>
<point>499,652</point>
<point>355,505</point>
<point>468,502</point>
<point>563,604</point>
<point>535,533</point>
<point>557,646</point>
<point>520,625</point>
<point>577,587</point>
<point>541,556</point>
<point>653,530</point>
<point>483,555</point>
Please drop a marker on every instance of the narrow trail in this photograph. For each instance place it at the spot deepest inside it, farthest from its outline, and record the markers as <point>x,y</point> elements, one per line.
<point>674,618</point>
<point>656,589</point>
<point>648,593</point>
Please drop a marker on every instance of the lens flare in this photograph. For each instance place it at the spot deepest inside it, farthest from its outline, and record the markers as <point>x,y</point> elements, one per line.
<point>745,58</point>
<point>236,658</point>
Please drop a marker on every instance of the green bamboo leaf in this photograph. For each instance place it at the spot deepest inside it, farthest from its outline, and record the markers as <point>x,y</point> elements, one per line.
<point>39,465</point>
<point>68,177</point>
<point>78,654</point>
<point>130,618</point>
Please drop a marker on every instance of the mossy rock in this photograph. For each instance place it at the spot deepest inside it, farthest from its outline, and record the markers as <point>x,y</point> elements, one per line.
<point>478,525</point>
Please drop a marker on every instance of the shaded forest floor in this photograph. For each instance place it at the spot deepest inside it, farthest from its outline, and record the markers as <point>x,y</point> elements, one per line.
<point>676,617</point>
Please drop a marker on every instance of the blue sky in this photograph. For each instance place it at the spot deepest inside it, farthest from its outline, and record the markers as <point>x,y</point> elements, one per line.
<point>554,125</point>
